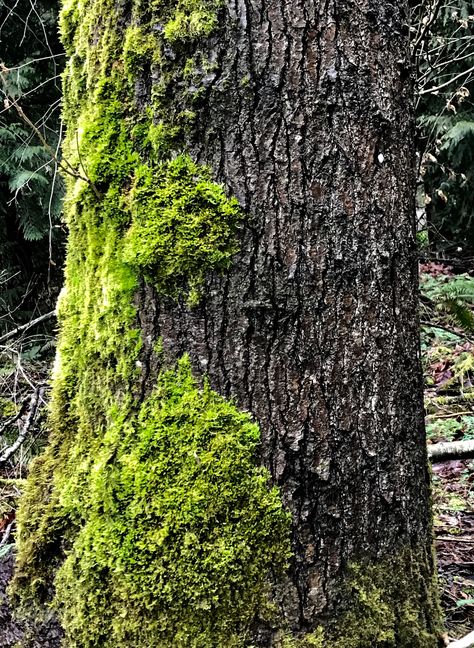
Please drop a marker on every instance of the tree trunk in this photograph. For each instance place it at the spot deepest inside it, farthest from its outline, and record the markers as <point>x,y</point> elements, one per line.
<point>303,111</point>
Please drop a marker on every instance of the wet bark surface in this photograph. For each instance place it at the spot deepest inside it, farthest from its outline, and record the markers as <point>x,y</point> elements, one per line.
<point>13,631</point>
<point>307,118</point>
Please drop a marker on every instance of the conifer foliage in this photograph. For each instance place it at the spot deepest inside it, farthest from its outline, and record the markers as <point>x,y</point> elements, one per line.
<point>30,188</point>
<point>443,43</point>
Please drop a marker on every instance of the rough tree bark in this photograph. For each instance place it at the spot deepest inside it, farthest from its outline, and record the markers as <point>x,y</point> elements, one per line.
<point>308,120</point>
<point>303,111</point>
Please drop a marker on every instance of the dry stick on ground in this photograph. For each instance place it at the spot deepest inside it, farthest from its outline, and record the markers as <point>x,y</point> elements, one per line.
<point>460,335</point>
<point>453,450</point>
<point>36,398</point>
<point>448,416</point>
<point>434,404</point>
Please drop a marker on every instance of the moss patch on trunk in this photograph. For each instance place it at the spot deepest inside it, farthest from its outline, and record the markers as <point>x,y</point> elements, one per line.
<point>390,604</point>
<point>178,528</point>
<point>147,521</point>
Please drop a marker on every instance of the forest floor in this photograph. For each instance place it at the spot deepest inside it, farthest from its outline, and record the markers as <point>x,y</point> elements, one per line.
<point>448,359</point>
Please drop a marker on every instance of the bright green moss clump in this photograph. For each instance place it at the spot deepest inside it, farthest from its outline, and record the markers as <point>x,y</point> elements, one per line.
<point>147,521</point>
<point>182,224</point>
<point>179,530</point>
<point>192,19</point>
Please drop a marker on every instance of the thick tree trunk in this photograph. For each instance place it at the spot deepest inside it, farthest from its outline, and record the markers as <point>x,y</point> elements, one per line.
<point>303,112</point>
<point>307,118</point>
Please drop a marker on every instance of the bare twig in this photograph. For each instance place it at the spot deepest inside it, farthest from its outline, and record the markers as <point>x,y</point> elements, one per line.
<point>449,416</point>
<point>6,534</point>
<point>63,164</point>
<point>436,403</point>
<point>15,418</point>
<point>447,329</point>
<point>447,83</point>
<point>429,22</point>
<point>25,327</point>
<point>36,398</point>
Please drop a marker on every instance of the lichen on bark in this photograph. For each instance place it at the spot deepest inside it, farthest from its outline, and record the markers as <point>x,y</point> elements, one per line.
<point>147,520</point>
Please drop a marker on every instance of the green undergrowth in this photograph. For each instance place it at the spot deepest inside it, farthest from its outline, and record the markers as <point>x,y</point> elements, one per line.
<point>147,521</point>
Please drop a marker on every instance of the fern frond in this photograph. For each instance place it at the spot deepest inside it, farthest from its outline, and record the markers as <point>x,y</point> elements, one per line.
<point>23,178</point>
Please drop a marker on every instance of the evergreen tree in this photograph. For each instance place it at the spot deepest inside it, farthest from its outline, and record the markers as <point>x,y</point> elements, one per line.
<point>443,38</point>
<point>31,61</point>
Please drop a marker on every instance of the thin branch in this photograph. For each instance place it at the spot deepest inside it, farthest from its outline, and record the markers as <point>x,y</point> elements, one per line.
<point>36,398</point>
<point>448,416</point>
<point>6,534</point>
<point>15,68</point>
<point>462,336</point>
<point>447,83</point>
<point>429,22</point>
<point>9,422</point>
<point>28,325</point>
<point>63,164</point>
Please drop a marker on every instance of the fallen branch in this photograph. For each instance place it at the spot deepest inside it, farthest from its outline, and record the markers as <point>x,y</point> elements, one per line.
<point>453,450</point>
<point>25,327</point>
<point>9,422</point>
<point>433,405</point>
<point>36,398</point>
<point>462,336</point>
<point>449,416</point>
<point>466,642</point>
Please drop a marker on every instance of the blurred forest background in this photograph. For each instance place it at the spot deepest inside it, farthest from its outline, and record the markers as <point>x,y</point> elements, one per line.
<point>32,240</point>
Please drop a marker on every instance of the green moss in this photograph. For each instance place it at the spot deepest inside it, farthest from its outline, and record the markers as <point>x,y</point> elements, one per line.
<point>182,224</point>
<point>7,408</point>
<point>180,530</point>
<point>312,640</point>
<point>147,522</point>
<point>192,19</point>
<point>388,605</point>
